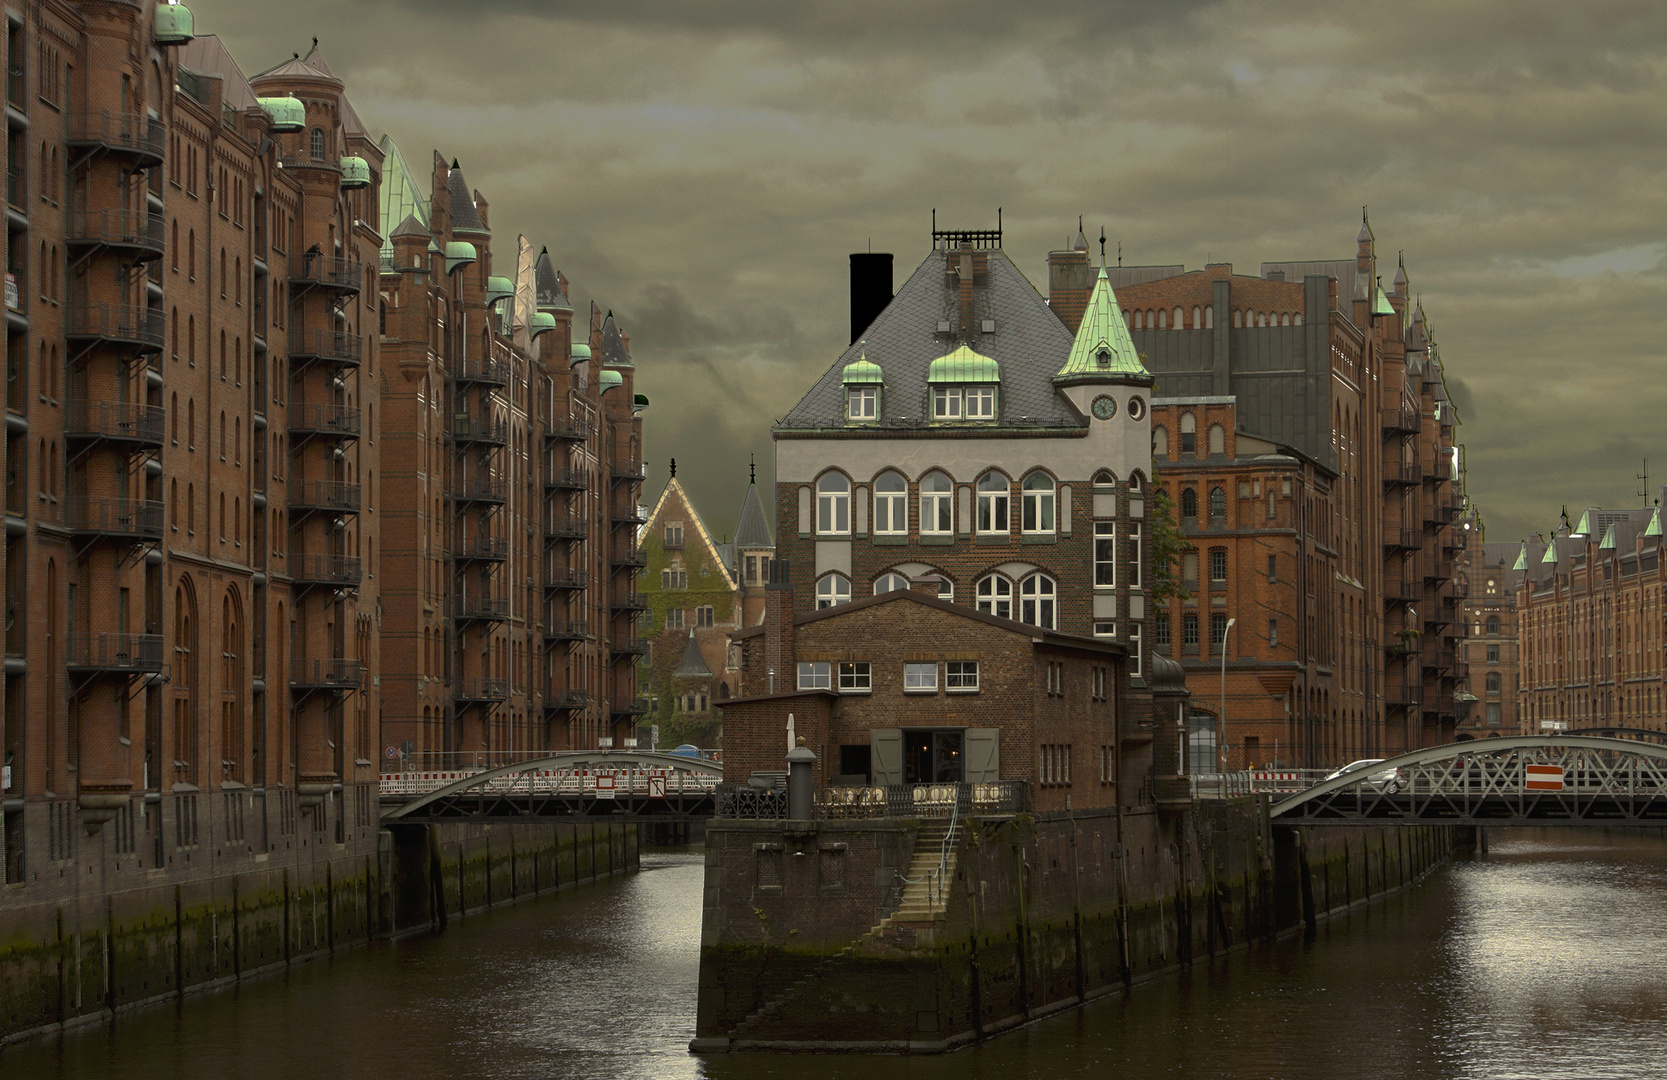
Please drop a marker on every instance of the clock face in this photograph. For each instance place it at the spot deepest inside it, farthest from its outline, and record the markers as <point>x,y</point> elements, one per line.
<point>1105,407</point>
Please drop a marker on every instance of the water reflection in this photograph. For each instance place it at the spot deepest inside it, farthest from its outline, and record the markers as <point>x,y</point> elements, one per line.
<point>1540,960</point>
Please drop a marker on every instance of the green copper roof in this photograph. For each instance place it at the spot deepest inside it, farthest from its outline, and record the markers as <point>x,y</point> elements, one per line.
<point>641,402</point>
<point>1102,348</point>
<point>608,380</point>
<point>962,366</point>
<point>288,113</point>
<point>498,289</point>
<point>174,25</point>
<point>400,197</point>
<point>1608,541</point>
<point>459,253</point>
<point>1550,555</point>
<point>864,370</point>
<point>355,173</point>
<point>1654,527</point>
<point>1522,558</point>
<point>581,351</point>
<point>1585,526</point>
<point>540,322</point>
<point>1383,306</point>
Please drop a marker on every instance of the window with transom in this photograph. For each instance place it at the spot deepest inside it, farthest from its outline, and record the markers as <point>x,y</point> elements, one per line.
<point>891,505</point>
<point>1037,594</point>
<point>994,495</point>
<point>937,504</point>
<point>833,505</point>
<point>995,596</point>
<point>1038,512</point>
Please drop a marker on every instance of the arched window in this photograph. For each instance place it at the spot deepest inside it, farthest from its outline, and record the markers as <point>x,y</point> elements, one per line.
<point>1238,317</point>
<point>1210,317</point>
<point>1189,433</point>
<point>1176,325</point>
<point>1163,319</point>
<point>318,144</point>
<point>890,582</point>
<point>1493,625</point>
<point>1139,318</point>
<point>891,504</point>
<point>1197,317</point>
<point>832,589</point>
<point>1189,503</point>
<point>995,596</point>
<point>1218,506</point>
<point>937,504</point>
<point>1160,442</point>
<point>1037,513</point>
<point>994,496</point>
<point>1218,439</point>
<point>1493,682</point>
<point>1105,478</point>
<point>1036,601</point>
<point>833,506</point>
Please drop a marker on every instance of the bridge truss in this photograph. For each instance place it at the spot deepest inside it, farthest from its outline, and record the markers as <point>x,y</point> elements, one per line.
<point>1522,780</point>
<point>572,786</point>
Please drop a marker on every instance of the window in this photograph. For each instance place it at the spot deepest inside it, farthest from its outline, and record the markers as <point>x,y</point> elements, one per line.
<point>1037,514</point>
<point>937,504</point>
<point>855,678</point>
<point>1132,550</point>
<point>1273,633</point>
<point>815,675</point>
<point>995,596</point>
<point>891,505</point>
<point>318,144</point>
<point>994,492</point>
<point>963,402</point>
<point>1494,713</point>
<point>1218,439</point>
<point>674,534</point>
<point>1160,631</point>
<point>1273,566</point>
<point>1160,442</point>
<point>1189,631</point>
<point>1493,654</point>
<point>1218,506</point>
<point>1097,683</point>
<point>833,505</point>
<point>862,402</point>
<point>946,403</point>
<point>920,678</point>
<point>1105,628</point>
<point>981,403</point>
<point>1189,506</point>
<point>1493,682</point>
<point>674,619</point>
<point>1218,630</point>
<point>1036,601</point>
<point>890,583</point>
<point>1493,625</point>
<point>1105,553</point>
<point>1189,433</point>
<point>1056,678</point>
<point>832,589</point>
<point>1056,764</point>
<point>677,578</point>
<point>1218,565</point>
<point>960,676</point>
<point>703,615</point>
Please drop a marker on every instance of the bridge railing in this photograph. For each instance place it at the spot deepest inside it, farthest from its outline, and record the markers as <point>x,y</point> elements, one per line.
<point>599,781</point>
<point>747,801</point>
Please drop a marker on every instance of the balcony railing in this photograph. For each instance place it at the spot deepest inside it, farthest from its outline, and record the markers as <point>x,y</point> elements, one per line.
<point>480,690</point>
<point>626,471</point>
<point>337,674</point>
<point>16,195</point>
<point>327,495</point>
<point>1437,659</point>
<point>1439,469</point>
<point>313,269</point>
<point>628,601</point>
<point>133,134</point>
<point>1403,591</point>
<point>137,231</point>
<point>485,548</point>
<point>1398,421</point>
<point>1001,798</point>
<point>488,370</point>
<point>483,608</point>
<point>1397,474</point>
<point>115,652</point>
<point>1438,569</point>
<point>629,557</point>
<point>1397,538</point>
<point>332,346</point>
<point>341,571</point>
<point>474,429</point>
<point>134,519</point>
<point>123,421</point>
<point>566,579</point>
<point>633,515</point>
<point>562,527</point>
<point>1402,695</point>
<point>567,630</point>
<point>482,489</point>
<point>569,429</point>
<point>574,479</point>
<point>629,707</point>
<point>124,324</point>
<point>336,421</point>
<point>629,646</point>
<point>555,699</point>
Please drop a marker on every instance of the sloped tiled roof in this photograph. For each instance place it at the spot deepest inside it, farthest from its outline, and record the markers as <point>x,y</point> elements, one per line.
<point>1103,331</point>
<point>547,284</point>
<point>402,200</point>
<point>208,55</point>
<point>410,227</point>
<point>692,665</point>
<point>1029,344</point>
<point>311,66</point>
<point>464,219</point>
<point>673,496</point>
<point>614,352</point>
<point>753,530</point>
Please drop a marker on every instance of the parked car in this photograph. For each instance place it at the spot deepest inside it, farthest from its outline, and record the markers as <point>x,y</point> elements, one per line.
<point>1386,780</point>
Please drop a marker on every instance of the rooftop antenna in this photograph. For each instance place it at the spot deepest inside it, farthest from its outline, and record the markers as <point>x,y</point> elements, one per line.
<point>1643,479</point>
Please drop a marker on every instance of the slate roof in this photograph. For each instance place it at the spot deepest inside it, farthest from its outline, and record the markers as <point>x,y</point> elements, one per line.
<point>410,227</point>
<point>614,352</point>
<point>547,285</point>
<point>753,530</point>
<point>692,665</point>
<point>312,66</point>
<point>464,219</point>
<point>208,55</point>
<point>1030,344</point>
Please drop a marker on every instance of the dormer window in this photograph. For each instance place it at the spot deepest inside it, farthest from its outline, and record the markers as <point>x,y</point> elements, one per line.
<point>862,380</point>
<point>964,386</point>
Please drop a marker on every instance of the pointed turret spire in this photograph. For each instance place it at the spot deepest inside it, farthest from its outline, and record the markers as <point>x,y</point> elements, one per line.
<point>1102,348</point>
<point>464,217</point>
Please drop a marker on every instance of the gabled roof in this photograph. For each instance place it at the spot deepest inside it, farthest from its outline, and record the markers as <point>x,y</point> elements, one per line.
<point>1028,344</point>
<point>614,352</point>
<point>1102,348</point>
<point>692,665</point>
<point>674,495</point>
<point>464,219</point>
<point>208,55</point>
<point>409,227</point>
<point>401,198</point>
<point>753,530</point>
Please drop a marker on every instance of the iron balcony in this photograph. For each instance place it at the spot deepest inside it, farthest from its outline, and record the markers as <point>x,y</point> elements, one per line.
<point>629,708</point>
<point>636,515</point>
<point>316,271</point>
<point>480,608</point>
<point>336,674</point>
<point>566,630</point>
<point>1399,421</point>
<point>562,527</point>
<point>331,346</point>
<point>124,519</point>
<point>1438,659</point>
<point>569,479</point>
<point>466,429</point>
<point>487,371</point>
<point>629,557</point>
<point>93,654</point>
<point>1401,592</point>
<point>1397,474</point>
<point>481,489</point>
<point>115,421</point>
<point>1402,695</point>
<point>481,690</point>
<point>138,233</point>
<point>332,496</point>
<point>628,601</point>
<point>629,646</point>
<point>139,328</point>
<point>307,419</point>
<point>1396,538</point>
<point>337,571</point>
<point>134,136</point>
<point>627,471</point>
<point>566,579</point>
<point>568,429</point>
<point>482,549</point>
<point>565,700</point>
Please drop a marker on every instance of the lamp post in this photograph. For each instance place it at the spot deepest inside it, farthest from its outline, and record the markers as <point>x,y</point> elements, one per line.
<point>1221,718</point>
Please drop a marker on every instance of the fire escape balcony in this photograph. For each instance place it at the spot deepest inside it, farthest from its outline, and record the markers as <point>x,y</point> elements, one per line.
<point>1442,705</point>
<point>564,527</point>
<point>624,710</point>
<point>1438,470</point>
<point>1396,538</point>
<point>629,558</point>
<point>330,571</point>
<point>139,328</point>
<point>1402,592</point>
<point>115,519</point>
<point>625,472</point>
<point>135,137</point>
<point>558,580</point>
<point>565,700</point>
<point>628,646</point>
<point>1401,421</point>
<point>1397,474</point>
<point>328,496</point>
<point>467,429</point>
<point>486,371</point>
<point>139,426</point>
<point>1438,659</point>
<point>338,674</point>
<point>635,514</point>
<point>315,271</point>
<point>481,489</point>
<point>569,429</point>
<point>1438,569</point>
<point>119,654</point>
<point>307,344</point>
<point>467,609</point>
<point>480,691</point>
<point>482,549</point>
<point>309,420</point>
<point>628,601</point>
<point>566,630</point>
<point>1402,695</point>
<point>136,233</point>
<point>568,479</point>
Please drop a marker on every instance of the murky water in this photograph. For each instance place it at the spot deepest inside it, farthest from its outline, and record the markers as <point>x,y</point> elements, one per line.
<point>1542,959</point>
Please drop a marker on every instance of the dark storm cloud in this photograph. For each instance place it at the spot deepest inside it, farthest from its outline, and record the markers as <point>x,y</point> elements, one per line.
<point>703,169</point>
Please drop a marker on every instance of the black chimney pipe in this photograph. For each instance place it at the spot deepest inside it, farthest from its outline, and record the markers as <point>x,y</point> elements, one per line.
<point>870,289</point>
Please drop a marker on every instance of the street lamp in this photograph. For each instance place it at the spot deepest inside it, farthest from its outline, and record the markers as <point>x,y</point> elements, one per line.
<point>1221,718</point>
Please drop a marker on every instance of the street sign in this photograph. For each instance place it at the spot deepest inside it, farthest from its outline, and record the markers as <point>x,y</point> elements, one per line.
<point>656,787</point>
<point>391,753</point>
<point>1542,778</point>
<point>605,786</point>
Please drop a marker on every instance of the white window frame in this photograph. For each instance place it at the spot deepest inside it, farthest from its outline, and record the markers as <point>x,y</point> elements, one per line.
<point>815,675</point>
<point>960,676</point>
<point>994,506</point>
<point>891,505</point>
<point>1105,554</point>
<point>996,591</point>
<point>856,677</point>
<point>979,403</point>
<point>1037,515</point>
<point>896,582</point>
<point>829,591</point>
<point>862,402</point>
<point>1039,601</point>
<point>946,403</point>
<point>833,505</point>
<point>937,508</point>
<point>920,678</point>
<point>1134,554</point>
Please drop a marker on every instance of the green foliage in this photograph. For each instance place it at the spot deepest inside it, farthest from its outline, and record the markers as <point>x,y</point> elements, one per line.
<point>1167,545</point>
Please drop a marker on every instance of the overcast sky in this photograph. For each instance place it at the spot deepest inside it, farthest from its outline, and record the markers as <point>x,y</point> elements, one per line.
<point>704,168</point>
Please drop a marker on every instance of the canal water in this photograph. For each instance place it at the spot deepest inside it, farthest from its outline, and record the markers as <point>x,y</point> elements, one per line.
<point>1544,958</point>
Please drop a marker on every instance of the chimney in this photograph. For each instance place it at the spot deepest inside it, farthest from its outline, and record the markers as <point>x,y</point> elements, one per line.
<point>870,289</point>
<point>925,584</point>
<point>780,652</point>
<point>1070,281</point>
<point>963,270</point>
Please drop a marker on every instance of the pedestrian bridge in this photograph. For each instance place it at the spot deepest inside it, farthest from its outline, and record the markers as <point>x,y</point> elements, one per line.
<point>1522,780</point>
<point>581,785</point>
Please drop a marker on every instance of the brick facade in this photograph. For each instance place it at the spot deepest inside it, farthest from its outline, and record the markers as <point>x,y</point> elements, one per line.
<point>1488,654</point>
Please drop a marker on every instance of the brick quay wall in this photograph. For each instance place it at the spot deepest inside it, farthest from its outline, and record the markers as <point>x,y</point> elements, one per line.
<point>1044,912</point>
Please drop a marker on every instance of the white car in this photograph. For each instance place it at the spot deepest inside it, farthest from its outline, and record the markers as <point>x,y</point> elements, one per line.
<point>1389,780</point>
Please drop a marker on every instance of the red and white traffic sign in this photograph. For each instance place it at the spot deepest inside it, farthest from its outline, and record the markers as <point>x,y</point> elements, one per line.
<point>1542,778</point>
<point>656,787</point>
<point>605,786</point>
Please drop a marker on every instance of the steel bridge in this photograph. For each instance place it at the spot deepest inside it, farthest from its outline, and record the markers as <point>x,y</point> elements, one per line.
<point>593,785</point>
<point>1522,780</point>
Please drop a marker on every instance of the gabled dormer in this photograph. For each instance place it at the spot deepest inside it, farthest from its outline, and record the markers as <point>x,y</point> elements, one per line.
<point>863,381</point>
<point>965,387</point>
